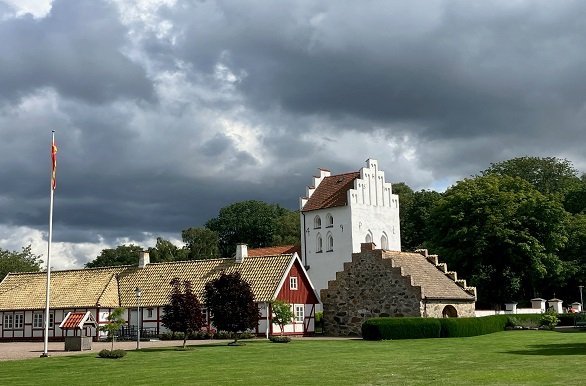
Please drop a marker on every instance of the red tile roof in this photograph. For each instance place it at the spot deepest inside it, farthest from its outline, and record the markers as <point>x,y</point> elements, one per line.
<point>76,320</point>
<point>277,250</point>
<point>331,192</point>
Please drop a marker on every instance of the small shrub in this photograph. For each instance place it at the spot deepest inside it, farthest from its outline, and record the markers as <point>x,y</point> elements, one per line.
<point>112,354</point>
<point>280,339</point>
<point>549,319</point>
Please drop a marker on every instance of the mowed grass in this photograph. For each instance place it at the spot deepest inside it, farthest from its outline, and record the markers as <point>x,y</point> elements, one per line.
<point>513,357</point>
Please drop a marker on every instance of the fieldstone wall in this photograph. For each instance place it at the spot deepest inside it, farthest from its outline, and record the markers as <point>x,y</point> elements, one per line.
<point>368,287</point>
<point>435,308</point>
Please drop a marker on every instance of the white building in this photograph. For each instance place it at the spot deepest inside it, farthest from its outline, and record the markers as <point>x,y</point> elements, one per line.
<point>339,212</point>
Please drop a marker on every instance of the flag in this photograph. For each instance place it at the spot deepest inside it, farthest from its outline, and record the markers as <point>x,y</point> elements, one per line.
<point>54,164</point>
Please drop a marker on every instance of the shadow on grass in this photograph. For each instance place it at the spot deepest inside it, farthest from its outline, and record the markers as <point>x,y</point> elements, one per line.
<point>195,347</point>
<point>552,349</point>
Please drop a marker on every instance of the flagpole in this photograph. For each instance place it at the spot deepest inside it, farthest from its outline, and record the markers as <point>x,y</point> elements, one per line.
<point>48,288</point>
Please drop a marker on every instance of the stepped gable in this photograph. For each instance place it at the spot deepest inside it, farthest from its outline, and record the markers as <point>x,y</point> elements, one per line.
<point>331,192</point>
<point>452,275</point>
<point>434,283</point>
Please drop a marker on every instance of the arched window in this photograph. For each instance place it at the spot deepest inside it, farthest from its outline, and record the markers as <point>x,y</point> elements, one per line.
<point>317,222</point>
<point>318,244</point>
<point>368,238</point>
<point>384,242</point>
<point>330,243</point>
<point>329,221</point>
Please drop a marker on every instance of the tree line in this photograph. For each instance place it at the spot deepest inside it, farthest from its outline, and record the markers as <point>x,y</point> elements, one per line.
<point>516,230</point>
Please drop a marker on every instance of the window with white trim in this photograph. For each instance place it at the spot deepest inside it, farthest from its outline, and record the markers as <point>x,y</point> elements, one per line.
<point>319,244</point>
<point>18,321</point>
<point>293,282</point>
<point>38,320</point>
<point>384,242</point>
<point>330,243</point>
<point>299,313</point>
<point>149,313</point>
<point>51,319</point>
<point>329,221</point>
<point>8,319</point>
<point>317,222</point>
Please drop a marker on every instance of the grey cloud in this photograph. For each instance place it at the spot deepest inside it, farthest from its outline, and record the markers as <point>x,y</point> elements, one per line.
<point>76,49</point>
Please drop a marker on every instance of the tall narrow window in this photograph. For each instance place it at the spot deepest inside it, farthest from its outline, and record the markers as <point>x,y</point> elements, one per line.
<point>8,319</point>
<point>384,242</point>
<point>293,283</point>
<point>299,313</point>
<point>368,238</point>
<point>317,222</point>
<point>319,244</point>
<point>18,321</point>
<point>329,221</point>
<point>330,243</point>
<point>38,320</point>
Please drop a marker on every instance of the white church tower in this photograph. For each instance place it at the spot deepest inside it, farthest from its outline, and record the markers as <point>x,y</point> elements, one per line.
<point>339,212</point>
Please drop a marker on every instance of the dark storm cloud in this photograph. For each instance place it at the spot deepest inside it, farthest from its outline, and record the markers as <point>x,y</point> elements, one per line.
<point>76,49</point>
<point>163,118</point>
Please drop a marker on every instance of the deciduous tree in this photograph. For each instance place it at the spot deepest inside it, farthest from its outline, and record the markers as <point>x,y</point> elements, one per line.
<point>23,261</point>
<point>201,243</point>
<point>115,321</point>
<point>183,313</point>
<point>501,234</point>
<point>121,255</point>
<point>230,301</point>
<point>282,314</point>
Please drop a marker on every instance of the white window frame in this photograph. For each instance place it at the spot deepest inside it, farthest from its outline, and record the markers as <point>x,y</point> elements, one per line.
<point>330,243</point>
<point>329,221</point>
<point>149,312</point>
<point>319,244</point>
<point>317,222</point>
<point>8,322</point>
<point>19,321</point>
<point>299,311</point>
<point>38,320</point>
<point>51,319</point>
<point>293,283</point>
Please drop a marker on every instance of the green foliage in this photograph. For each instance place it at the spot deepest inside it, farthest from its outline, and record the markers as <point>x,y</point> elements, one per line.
<point>524,320</point>
<point>201,243</point>
<point>462,327</point>
<point>288,229</point>
<point>112,354</point>
<point>280,339</point>
<point>549,175</point>
<point>418,328</point>
<point>115,321</point>
<point>415,218</point>
<point>165,250</point>
<point>183,313</point>
<point>549,319</point>
<point>230,301</point>
<point>401,328</point>
<point>282,313</point>
<point>501,234</point>
<point>23,261</point>
<point>251,222</point>
<point>121,255</point>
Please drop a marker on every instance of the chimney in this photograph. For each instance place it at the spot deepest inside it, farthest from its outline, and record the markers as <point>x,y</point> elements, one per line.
<point>241,252</point>
<point>143,259</point>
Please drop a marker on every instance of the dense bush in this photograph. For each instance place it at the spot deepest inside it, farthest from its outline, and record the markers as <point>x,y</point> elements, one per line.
<point>567,319</point>
<point>200,335</point>
<point>280,339</point>
<point>401,328</point>
<point>112,354</point>
<point>524,320</point>
<point>460,327</point>
<point>415,328</point>
<point>549,319</point>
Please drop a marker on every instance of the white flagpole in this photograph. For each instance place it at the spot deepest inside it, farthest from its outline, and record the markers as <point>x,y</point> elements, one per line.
<point>48,290</point>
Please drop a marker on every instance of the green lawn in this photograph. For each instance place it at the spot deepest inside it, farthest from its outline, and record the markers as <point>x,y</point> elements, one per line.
<point>513,357</point>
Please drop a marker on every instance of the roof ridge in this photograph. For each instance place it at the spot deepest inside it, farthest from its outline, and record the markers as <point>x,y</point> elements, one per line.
<point>218,259</point>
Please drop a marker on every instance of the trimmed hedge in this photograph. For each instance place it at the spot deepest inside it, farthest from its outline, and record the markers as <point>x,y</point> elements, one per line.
<point>417,328</point>
<point>401,328</point>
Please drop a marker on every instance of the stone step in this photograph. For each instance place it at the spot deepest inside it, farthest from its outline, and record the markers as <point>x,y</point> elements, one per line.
<point>452,275</point>
<point>461,283</point>
<point>433,259</point>
<point>442,267</point>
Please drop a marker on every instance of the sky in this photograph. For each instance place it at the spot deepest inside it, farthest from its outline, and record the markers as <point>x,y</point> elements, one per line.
<point>165,111</point>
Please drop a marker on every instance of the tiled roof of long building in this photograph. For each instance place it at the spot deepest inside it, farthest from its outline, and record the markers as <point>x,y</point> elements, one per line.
<point>331,192</point>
